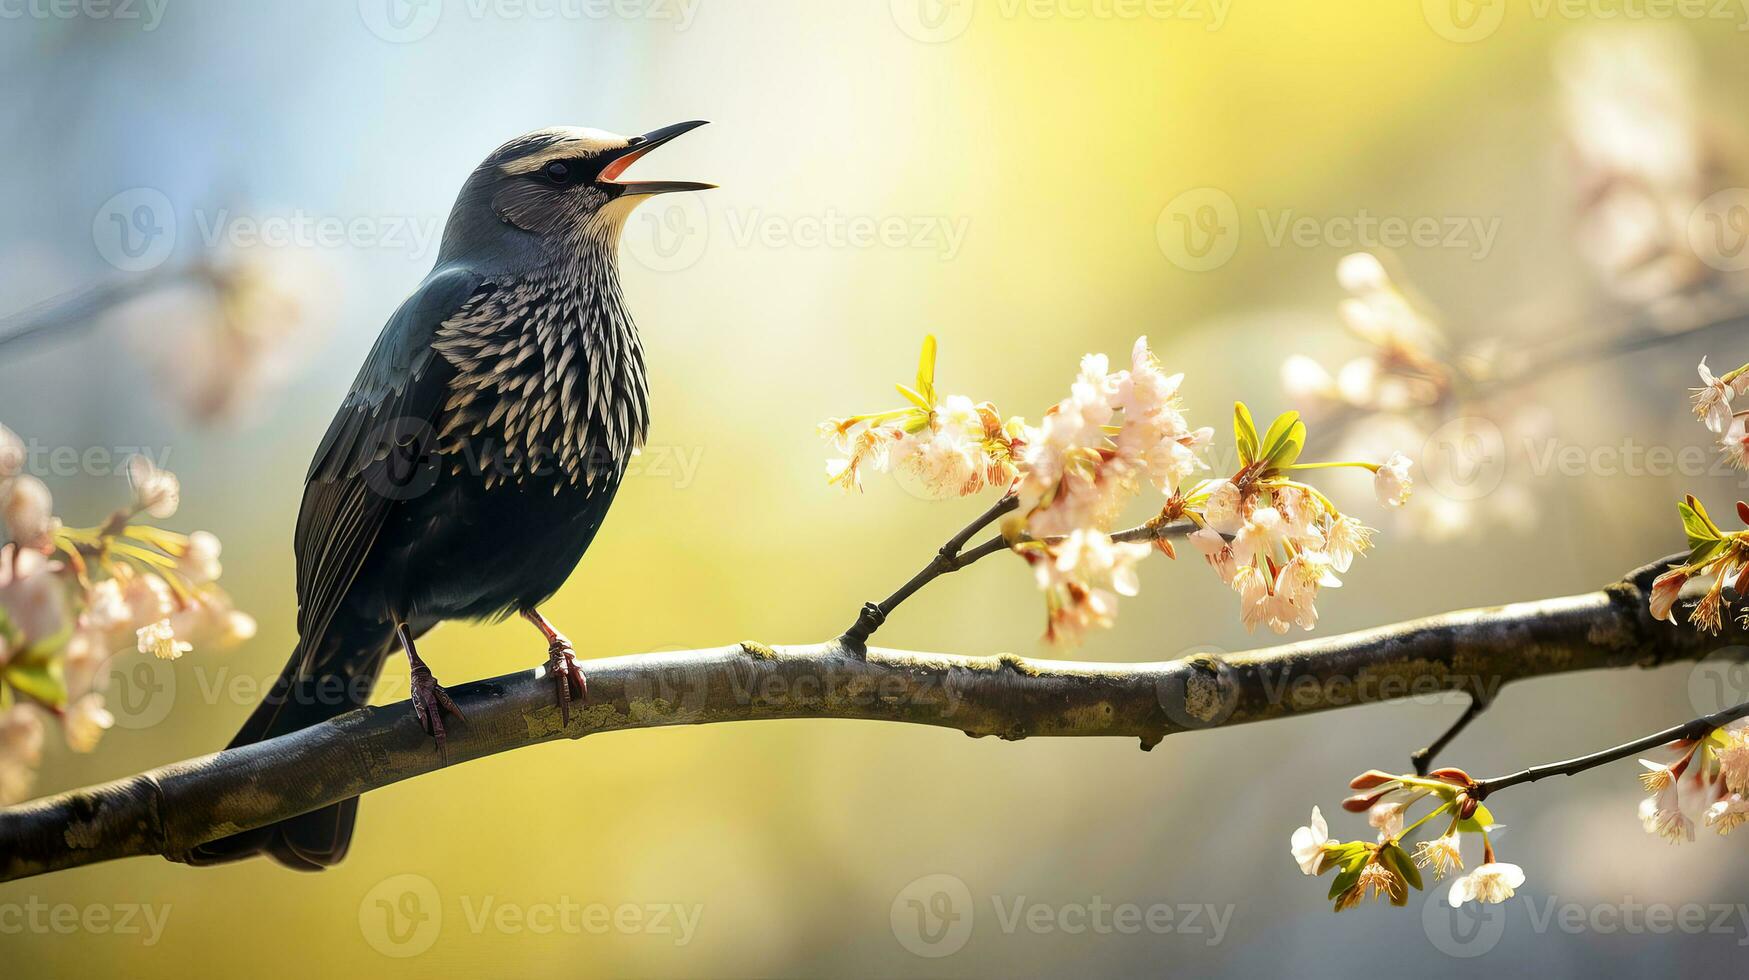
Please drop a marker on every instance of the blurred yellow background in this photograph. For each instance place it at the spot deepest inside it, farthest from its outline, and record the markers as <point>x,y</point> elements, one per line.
<point>1027,151</point>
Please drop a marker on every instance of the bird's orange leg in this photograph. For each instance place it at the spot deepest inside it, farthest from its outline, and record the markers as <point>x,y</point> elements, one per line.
<point>430,701</point>
<point>561,664</point>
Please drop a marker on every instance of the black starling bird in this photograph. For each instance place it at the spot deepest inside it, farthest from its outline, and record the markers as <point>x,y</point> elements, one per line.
<point>477,453</point>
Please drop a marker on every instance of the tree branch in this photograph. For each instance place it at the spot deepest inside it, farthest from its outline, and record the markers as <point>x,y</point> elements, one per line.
<point>168,811</point>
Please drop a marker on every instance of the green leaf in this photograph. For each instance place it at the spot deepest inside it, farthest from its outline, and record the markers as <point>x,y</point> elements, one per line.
<point>38,671</point>
<point>1244,433</point>
<point>1398,860</point>
<point>1278,429</point>
<point>926,370</point>
<point>1706,551</point>
<point>1283,444</point>
<point>1345,880</point>
<point>1696,523</point>
<point>1479,821</point>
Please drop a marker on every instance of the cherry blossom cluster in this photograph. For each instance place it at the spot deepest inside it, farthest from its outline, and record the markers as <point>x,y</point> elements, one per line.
<point>73,598</point>
<point>1385,868</point>
<point>1119,434</point>
<point>1276,540</point>
<point>1708,781</point>
<point>1404,365</point>
<point>1716,558</point>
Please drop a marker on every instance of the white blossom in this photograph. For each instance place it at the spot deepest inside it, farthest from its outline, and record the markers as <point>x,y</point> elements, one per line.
<point>1490,884</point>
<point>1344,540</point>
<point>157,492</point>
<point>1391,483</point>
<point>159,640</point>
<point>1308,843</point>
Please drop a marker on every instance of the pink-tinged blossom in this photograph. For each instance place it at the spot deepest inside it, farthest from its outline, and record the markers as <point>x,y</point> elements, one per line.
<point>1217,551</point>
<point>1665,589</point>
<point>1224,511</point>
<point>1734,444</point>
<point>1712,400</point>
<point>1661,815</point>
<point>27,511</point>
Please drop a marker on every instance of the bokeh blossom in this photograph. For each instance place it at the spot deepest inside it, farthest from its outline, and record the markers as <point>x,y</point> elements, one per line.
<point>1411,386</point>
<point>73,598</point>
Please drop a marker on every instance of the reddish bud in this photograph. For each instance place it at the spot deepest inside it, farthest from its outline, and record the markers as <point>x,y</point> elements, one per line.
<point>1467,807</point>
<point>1360,803</point>
<point>1371,779</point>
<point>1743,511</point>
<point>1453,775</point>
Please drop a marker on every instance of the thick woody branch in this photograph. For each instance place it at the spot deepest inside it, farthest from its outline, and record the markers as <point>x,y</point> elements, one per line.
<point>168,811</point>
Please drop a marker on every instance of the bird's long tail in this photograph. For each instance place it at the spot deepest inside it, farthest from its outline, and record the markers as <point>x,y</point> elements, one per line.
<point>310,690</point>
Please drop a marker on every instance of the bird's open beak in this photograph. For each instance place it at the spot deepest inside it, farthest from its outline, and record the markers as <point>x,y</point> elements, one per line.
<point>635,150</point>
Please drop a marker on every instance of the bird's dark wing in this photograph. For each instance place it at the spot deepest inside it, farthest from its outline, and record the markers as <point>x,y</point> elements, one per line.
<point>351,488</point>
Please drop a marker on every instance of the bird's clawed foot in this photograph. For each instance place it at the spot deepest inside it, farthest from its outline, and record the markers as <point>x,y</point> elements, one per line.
<point>561,665</point>
<point>562,668</point>
<point>430,703</point>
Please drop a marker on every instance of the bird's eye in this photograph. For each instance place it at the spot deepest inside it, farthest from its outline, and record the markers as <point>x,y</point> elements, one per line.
<point>557,172</point>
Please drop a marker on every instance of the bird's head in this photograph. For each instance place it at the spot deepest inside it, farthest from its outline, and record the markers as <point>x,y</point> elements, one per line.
<point>554,193</point>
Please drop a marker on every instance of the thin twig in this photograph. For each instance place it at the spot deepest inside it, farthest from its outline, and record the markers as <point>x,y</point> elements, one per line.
<point>951,558</point>
<point>63,316</point>
<point>947,559</point>
<point>1688,731</point>
<point>1423,758</point>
